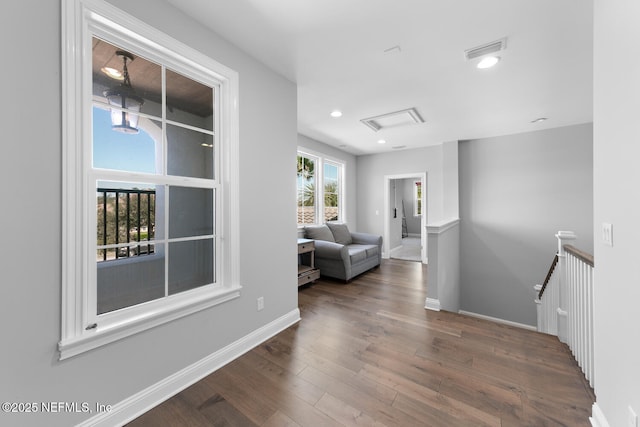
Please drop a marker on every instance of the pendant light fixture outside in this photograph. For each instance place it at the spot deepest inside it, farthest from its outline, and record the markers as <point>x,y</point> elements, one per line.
<point>124,101</point>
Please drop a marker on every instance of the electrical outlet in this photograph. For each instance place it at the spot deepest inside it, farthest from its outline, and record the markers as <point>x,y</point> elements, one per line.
<point>633,418</point>
<point>607,234</point>
<point>260,303</point>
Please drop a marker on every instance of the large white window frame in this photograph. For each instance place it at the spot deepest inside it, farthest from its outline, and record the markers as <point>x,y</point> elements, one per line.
<point>82,328</point>
<point>320,161</point>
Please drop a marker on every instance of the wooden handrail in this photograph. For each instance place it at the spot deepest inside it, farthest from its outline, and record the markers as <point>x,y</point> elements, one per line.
<point>546,280</point>
<point>582,256</point>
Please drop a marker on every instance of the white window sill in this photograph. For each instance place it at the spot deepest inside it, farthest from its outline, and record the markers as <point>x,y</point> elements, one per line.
<point>102,335</point>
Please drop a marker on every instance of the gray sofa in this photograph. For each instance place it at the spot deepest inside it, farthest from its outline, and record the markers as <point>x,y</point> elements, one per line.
<point>342,254</point>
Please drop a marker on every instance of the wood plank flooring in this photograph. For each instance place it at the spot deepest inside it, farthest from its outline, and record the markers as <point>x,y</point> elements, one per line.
<point>368,353</point>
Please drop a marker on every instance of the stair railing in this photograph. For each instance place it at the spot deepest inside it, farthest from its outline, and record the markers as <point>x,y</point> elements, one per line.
<point>565,302</point>
<point>547,307</point>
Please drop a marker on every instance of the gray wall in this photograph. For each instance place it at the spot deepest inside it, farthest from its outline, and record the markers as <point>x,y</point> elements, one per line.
<point>616,201</point>
<point>349,161</point>
<point>516,192</point>
<point>443,274</point>
<point>370,183</point>
<point>30,295</point>
<point>450,184</point>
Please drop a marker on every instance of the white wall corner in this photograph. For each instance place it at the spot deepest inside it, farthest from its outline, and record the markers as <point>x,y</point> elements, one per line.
<point>597,417</point>
<point>432,304</point>
<point>141,402</point>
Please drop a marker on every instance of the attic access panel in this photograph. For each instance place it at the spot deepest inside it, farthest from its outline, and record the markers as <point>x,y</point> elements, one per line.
<point>406,117</point>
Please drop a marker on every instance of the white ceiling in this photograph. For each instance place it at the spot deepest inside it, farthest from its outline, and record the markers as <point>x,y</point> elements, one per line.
<point>335,51</point>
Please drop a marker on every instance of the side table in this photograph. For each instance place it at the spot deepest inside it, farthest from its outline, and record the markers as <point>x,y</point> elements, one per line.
<point>307,272</point>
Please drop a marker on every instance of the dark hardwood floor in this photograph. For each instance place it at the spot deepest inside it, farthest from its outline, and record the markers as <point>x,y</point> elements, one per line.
<point>368,353</point>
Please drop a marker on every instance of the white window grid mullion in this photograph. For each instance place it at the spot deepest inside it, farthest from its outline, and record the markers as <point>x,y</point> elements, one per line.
<point>217,145</point>
<point>165,169</point>
<point>319,186</point>
<point>163,84</point>
<point>167,200</point>
<point>152,179</point>
<point>217,245</point>
<point>99,103</point>
<point>191,238</point>
<point>217,175</point>
<point>340,191</point>
<point>131,244</point>
<point>190,127</point>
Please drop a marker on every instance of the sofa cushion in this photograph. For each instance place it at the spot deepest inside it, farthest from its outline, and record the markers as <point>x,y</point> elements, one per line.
<point>357,253</point>
<point>340,233</point>
<point>372,251</point>
<point>318,232</point>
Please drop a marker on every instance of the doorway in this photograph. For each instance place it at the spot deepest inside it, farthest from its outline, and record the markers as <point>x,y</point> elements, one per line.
<point>405,217</point>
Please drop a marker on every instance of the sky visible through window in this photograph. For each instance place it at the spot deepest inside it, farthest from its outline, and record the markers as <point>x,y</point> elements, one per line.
<point>331,173</point>
<point>120,151</point>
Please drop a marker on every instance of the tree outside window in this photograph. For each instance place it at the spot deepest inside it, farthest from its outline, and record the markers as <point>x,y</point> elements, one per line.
<point>306,190</point>
<point>318,204</point>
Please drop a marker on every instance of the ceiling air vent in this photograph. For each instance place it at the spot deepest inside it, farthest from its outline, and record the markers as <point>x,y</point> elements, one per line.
<point>486,49</point>
<point>397,118</point>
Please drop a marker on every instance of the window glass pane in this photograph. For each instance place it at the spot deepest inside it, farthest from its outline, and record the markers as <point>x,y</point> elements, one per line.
<point>306,190</point>
<point>127,282</point>
<point>125,213</point>
<point>142,92</point>
<point>189,102</point>
<point>126,151</point>
<point>190,153</point>
<point>190,212</point>
<point>331,189</point>
<point>190,265</point>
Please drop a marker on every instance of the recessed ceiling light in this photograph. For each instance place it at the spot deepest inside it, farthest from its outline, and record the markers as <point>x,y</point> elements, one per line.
<point>539,119</point>
<point>336,113</point>
<point>488,62</point>
<point>382,141</point>
<point>113,73</point>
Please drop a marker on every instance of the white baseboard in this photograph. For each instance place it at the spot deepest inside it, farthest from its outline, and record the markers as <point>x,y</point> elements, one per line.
<point>432,304</point>
<point>597,417</point>
<point>498,320</point>
<point>136,405</point>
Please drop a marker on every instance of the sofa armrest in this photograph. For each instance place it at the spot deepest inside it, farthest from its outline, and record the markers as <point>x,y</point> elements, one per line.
<point>330,250</point>
<point>366,238</point>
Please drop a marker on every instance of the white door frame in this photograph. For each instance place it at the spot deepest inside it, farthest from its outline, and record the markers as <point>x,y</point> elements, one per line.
<point>422,176</point>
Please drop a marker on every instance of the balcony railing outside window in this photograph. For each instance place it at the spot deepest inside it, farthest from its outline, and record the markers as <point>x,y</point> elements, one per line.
<point>125,219</point>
